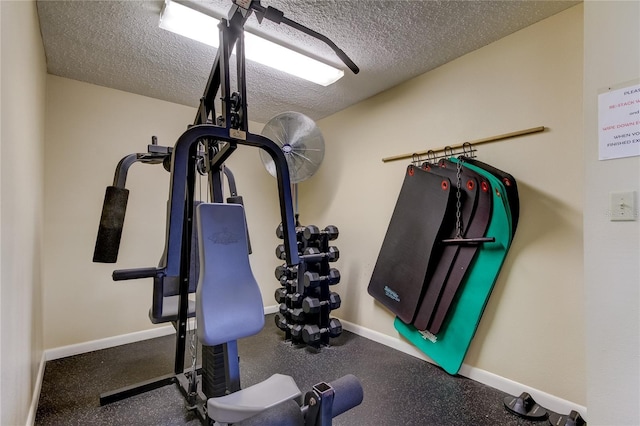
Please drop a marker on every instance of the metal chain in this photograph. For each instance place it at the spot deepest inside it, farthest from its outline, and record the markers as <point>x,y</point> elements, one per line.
<point>458,203</point>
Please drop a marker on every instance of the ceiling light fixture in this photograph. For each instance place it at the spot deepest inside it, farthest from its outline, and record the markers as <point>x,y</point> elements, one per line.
<point>190,23</point>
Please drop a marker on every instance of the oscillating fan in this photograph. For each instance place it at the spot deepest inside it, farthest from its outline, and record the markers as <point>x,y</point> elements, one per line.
<point>300,140</point>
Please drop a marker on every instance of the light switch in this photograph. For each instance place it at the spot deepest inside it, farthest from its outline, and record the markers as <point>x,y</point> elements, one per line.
<point>623,206</point>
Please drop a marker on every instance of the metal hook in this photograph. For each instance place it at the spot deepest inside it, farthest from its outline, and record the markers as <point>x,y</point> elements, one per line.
<point>468,150</point>
<point>448,151</point>
<point>415,158</point>
<point>431,157</point>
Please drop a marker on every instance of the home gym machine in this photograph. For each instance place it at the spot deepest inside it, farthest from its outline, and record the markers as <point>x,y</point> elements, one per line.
<point>214,391</point>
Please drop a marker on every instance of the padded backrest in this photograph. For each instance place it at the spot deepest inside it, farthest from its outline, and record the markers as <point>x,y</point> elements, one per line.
<point>228,300</point>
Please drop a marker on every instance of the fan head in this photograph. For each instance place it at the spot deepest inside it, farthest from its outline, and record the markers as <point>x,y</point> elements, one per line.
<point>301,142</point>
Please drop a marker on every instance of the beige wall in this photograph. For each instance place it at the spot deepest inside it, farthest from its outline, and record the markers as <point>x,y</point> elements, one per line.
<point>531,78</point>
<point>21,161</point>
<point>532,330</point>
<point>89,129</point>
<point>612,249</point>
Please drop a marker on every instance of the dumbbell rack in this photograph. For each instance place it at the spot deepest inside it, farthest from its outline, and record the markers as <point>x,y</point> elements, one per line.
<point>304,296</point>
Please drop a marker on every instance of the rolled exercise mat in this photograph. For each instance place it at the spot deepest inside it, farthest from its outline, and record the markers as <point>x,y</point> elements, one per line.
<point>421,216</point>
<point>449,347</point>
<point>455,261</point>
<point>114,208</point>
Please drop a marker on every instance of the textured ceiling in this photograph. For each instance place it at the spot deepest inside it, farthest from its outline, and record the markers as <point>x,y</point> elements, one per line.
<point>118,44</point>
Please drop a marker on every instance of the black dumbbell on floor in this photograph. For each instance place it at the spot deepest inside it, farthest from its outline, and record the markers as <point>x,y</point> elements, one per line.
<point>314,279</point>
<point>312,232</point>
<point>313,333</point>
<point>312,254</point>
<point>312,305</point>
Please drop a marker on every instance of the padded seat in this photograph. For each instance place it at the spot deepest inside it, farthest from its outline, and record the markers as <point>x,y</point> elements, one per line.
<point>250,401</point>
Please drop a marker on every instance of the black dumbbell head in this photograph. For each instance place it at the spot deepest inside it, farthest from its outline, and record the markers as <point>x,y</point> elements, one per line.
<point>281,252</point>
<point>297,314</point>
<point>310,232</point>
<point>310,279</point>
<point>311,250</point>
<point>280,231</point>
<point>311,305</point>
<point>281,321</point>
<point>310,333</point>
<point>283,308</point>
<point>333,254</point>
<point>334,276</point>
<point>334,300</point>
<point>280,295</point>
<point>296,299</point>
<point>335,327</point>
<point>281,271</point>
<point>332,232</point>
<point>296,331</point>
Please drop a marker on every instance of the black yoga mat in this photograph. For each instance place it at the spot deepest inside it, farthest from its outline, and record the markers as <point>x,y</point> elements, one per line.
<point>455,259</point>
<point>510,185</point>
<point>409,249</point>
<point>477,228</point>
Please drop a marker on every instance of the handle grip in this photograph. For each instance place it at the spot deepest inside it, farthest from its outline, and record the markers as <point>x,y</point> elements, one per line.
<point>135,273</point>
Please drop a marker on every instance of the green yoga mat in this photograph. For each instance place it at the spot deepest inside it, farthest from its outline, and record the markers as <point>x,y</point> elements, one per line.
<point>449,347</point>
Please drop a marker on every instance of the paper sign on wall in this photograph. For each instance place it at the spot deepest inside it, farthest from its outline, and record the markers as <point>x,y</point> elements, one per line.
<point>619,122</point>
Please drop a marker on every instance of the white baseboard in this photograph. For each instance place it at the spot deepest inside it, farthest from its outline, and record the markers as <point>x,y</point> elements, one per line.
<point>511,387</point>
<point>271,309</point>
<point>35,397</point>
<point>110,342</point>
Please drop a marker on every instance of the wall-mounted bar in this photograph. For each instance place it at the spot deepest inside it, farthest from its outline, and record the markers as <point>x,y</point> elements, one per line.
<point>474,143</point>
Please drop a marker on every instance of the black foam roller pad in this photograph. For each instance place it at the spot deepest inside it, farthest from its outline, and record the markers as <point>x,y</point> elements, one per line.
<point>111,223</point>
<point>348,393</point>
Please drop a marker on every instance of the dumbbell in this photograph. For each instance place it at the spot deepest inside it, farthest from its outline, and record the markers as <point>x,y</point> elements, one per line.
<point>281,253</point>
<point>296,299</point>
<point>280,231</point>
<point>286,271</point>
<point>311,305</point>
<point>297,314</point>
<point>313,279</point>
<point>281,295</point>
<point>312,232</point>
<point>286,282</point>
<point>282,324</point>
<point>312,333</point>
<point>312,254</point>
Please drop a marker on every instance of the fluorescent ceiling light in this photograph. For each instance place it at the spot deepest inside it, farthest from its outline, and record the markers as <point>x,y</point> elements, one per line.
<point>190,23</point>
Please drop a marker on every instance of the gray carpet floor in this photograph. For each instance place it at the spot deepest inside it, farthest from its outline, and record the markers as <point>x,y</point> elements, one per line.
<point>398,389</point>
